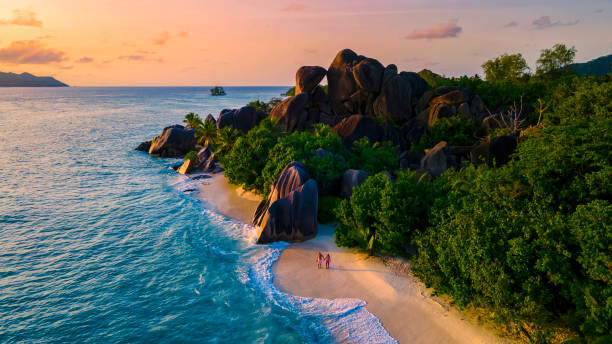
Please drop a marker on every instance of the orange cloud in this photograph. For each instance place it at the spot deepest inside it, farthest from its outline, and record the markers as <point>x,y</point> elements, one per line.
<point>30,52</point>
<point>450,29</point>
<point>161,39</point>
<point>294,7</point>
<point>22,17</point>
<point>139,58</point>
<point>84,59</point>
<point>183,34</point>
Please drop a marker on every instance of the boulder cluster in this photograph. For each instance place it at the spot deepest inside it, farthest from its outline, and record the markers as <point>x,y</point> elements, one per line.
<point>363,98</point>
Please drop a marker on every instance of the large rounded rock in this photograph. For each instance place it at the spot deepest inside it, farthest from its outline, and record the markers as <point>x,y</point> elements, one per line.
<point>355,127</point>
<point>290,211</point>
<point>291,113</point>
<point>226,119</point>
<point>454,97</point>
<point>340,80</point>
<point>438,159</point>
<point>243,119</point>
<point>399,95</point>
<point>292,218</point>
<point>500,150</point>
<point>307,78</point>
<point>174,141</point>
<point>368,74</point>
<point>350,179</point>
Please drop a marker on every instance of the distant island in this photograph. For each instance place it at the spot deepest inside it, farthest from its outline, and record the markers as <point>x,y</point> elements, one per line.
<point>28,80</point>
<point>597,67</point>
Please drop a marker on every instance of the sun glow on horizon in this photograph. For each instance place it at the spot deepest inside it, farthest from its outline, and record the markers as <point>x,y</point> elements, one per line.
<point>190,42</point>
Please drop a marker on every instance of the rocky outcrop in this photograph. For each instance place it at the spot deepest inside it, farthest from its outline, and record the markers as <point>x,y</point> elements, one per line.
<point>362,85</point>
<point>174,141</point>
<point>351,179</point>
<point>188,166</point>
<point>355,127</point>
<point>144,146</point>
<point>291,113</point>
<point>399,96</point>
<point>307,78</point>
<point>243,119</point>
<point>448,101</point>
<point>290,211</point>
<point>438,159</point>
<point>211,118</point>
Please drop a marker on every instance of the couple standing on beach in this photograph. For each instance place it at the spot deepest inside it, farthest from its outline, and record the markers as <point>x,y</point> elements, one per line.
<point>320,260</point>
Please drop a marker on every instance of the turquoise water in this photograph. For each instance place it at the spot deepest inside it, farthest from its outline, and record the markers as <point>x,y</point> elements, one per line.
<point>99,243</point>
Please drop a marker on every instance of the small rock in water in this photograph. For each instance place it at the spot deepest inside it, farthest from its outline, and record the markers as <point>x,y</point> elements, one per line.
<point>201,176</point>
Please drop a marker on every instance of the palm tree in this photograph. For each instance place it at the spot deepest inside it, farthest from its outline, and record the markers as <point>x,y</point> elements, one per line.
<point>206,134</point>
<point>192,120</point>
<point>225,140</point>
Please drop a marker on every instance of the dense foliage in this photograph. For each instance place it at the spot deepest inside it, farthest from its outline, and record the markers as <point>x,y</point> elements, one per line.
<point>248,156</point>
<point>505,67</point>
<point>513,238</point>
<point>265,106</point>
<point>382,215</point>
<point>455,130</point>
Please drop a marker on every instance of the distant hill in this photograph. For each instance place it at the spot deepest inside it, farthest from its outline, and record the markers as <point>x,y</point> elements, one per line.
<point>28,80</point>
<point>597,67</point>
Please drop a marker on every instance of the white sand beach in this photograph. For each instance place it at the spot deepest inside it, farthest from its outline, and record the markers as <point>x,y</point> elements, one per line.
<point>399,300</point>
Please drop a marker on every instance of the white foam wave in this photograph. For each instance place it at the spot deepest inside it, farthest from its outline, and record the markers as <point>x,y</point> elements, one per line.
<point>346,319</point>
<point>339,320</point>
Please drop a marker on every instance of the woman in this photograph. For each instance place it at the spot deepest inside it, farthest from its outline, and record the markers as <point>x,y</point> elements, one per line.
<point>319,259</point>
<point>327,259</point>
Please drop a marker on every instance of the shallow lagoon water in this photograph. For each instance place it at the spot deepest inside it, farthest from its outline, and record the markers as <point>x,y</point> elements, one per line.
<point>100,243</point>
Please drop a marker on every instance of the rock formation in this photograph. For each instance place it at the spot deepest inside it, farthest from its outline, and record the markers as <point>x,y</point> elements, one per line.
<point>174,141</point>
<point>242,119</point>
<point>351,179</point>
<point>437,160</point>
<point>307,78</point>
<point>290,211</point>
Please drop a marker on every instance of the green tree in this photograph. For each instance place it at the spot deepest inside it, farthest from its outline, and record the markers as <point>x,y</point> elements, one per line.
<point>505,67</point>
<point>225,140</point>
<point>553,60</point>
<point>192,120</point>
<point>374,158</point>
<point>455,130</point>
<point>302,146</point>
<point>528,240</point>
<point>206,133</point>
<point>382,215</point>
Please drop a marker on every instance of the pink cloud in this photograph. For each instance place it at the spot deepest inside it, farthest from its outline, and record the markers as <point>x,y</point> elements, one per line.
<point>545,22</point>
<point>161,39</point>
<point>450,29</point>
<point>30,52</point>
<point>23,18</point>
<point>294,7</point>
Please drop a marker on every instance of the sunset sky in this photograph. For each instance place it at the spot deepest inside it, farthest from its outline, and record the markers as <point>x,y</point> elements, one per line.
<point>257,42</point>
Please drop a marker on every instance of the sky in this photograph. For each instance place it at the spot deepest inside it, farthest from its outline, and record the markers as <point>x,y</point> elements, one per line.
<point>259,42</point>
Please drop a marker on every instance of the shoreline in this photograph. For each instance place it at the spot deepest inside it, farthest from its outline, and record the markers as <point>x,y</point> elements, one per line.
<point>399,301</point>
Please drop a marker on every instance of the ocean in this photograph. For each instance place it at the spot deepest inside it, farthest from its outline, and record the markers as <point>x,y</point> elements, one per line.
<point>102,244</point>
